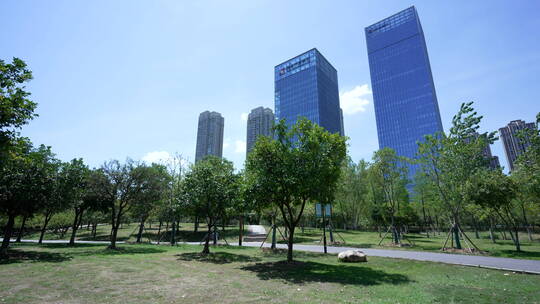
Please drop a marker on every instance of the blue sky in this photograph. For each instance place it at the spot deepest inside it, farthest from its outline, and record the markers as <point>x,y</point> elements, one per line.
<point>117,79</point>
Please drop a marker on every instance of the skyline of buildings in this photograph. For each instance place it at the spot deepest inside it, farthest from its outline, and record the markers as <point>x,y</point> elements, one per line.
<point>404,96</point>
<point>307,85</point>
<point>209,135</point>
<point>406,107</point>
<point>260,122</point>
<point>513,145</point>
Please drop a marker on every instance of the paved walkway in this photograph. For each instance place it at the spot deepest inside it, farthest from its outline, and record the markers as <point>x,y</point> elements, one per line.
<point>508,264</point>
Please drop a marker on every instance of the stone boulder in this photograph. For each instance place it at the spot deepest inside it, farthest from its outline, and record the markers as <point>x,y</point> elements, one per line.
<point>352,256</point>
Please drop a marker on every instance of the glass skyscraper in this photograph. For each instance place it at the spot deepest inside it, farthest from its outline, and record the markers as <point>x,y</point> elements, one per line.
<point>404,96</point>
<point>307,85</point>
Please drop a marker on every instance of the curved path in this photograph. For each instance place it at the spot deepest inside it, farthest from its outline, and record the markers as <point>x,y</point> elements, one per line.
<point>508,264</point>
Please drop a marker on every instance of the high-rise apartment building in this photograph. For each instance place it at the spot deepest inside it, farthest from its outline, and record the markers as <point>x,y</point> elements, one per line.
<point>513,145</point>
<point>209,135</point>
<point>404,96</point>
<point>260,122</point>
<point>307,86</point>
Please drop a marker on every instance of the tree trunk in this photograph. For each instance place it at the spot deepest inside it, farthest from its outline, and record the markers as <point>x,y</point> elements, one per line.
<point>215,235</point>
<point>516,240</point>
<point>455,230</point>
<point>173,232</point>
<point>113,236</point>
<point>475,226</point>
<point>141,228</point>
<point>21,230</point>
<point>44,228</point>
<point>206,249</point>
<point>491,236</point>
<point>274,228</point>
<point>290,245</point>
<point>240,229</point>
<point>76,221</point>
<point>8,231</point>
<point>159,230</point>
<point>424,212</point>
<point>94,230</point>
<point>196,224</point>
<point>395,236</point>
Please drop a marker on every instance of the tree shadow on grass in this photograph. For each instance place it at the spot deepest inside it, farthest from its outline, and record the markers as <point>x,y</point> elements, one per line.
<point>516,254</point>
<point>216,257</point>
<point>121,251</point>
<point>102,249</point>
<point>101,237</point>
<point>304,272</point>
<point>19,256</point>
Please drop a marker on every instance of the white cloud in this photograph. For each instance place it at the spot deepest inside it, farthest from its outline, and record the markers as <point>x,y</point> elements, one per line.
<point>226,143</point>
<point>240,146</point>
<point>244,116</point>
<point>355,100</point>
<point>158,157</point>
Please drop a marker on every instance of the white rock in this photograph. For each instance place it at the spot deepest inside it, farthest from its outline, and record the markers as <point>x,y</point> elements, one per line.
<point>353,256</point>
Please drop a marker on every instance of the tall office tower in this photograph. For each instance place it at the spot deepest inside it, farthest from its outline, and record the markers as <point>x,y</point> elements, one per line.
<point>209,135</point>
<point>404,96</point>
<point>260,122</point>
<point>513,145</point>
<point>307,85</point>
<point>342,123</point>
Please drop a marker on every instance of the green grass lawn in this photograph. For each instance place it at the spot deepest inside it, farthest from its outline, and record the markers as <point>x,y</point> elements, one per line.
<point>164,274</point>
<point>502,248</point>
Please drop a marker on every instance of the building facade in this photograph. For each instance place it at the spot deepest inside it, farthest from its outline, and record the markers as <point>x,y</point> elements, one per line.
<point>342,123</point>
<point>406,107</point>
<point>260,122</point>
<point>209,135</point>
<point>513,145</point>
<point>307,86</point>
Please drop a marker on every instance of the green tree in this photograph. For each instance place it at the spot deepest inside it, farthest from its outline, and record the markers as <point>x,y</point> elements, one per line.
<point>449,161</point>
<point>209,189</point>
<point>351,197</point>
<point>25,179</point>
<point>390,176</point>
<point>16,109</point>
<point>123,184</point>
<point>493,190</point>
<point>75,185</point>
<point>155,179</point>
<point>302,164</point>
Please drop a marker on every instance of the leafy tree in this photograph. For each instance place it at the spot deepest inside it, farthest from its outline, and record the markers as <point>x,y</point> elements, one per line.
<point>302,164</point>
<point>16,109</point>
<point>25,180</point>
<point>389,175</point>
<point>425,195</point>
<point>57,201</point>
<point>449,161</point>
<point>155,179</point>
<point>123,184</point>
<point>209,189</point>
<point>76,175</point>
<point>351,197</point>
<point>496,191</point>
